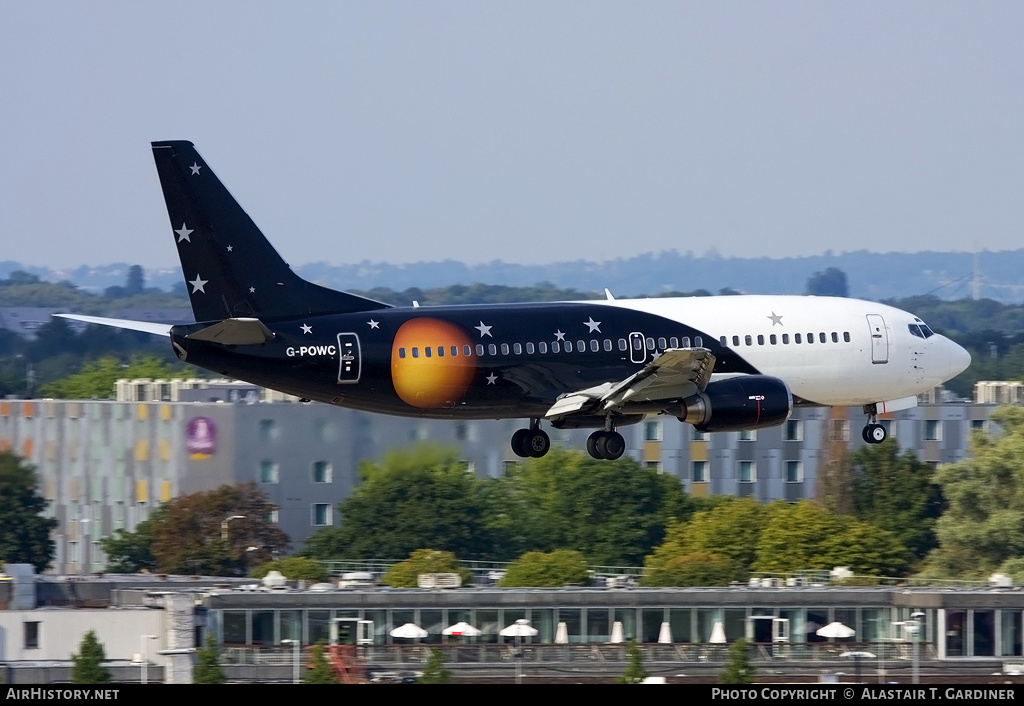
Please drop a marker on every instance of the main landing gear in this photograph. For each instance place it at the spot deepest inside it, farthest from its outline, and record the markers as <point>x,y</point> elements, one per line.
<point>874,433</point>
<point>608,445</point>
<point>532,442</point>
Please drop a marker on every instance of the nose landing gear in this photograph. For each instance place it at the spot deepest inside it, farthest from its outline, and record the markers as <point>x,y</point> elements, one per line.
<point>874,433</point>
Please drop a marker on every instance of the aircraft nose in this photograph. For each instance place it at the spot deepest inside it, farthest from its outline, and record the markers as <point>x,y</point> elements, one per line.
<point>959,359</point>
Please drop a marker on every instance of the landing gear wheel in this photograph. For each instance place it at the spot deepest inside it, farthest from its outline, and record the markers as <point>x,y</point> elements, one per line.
<point>874,433</point>
<point>521,443</point>
<point>606,445</point>
<point>537,443</point>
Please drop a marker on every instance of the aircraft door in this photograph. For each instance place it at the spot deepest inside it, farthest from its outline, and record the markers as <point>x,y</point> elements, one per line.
<point>879,339</point>
<point>637,347</point>
<point>349,359</point>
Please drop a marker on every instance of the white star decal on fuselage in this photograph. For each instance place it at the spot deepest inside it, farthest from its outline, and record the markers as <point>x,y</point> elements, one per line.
<point>230,248</point>
<point>198,284</point>
<point>183,233</point>
<point>491,379</point>
<point>306,328</point>
<point>559,336</point>
<point>776,319</point>
<point>373,324</point>
<point>593,325</point>
<point>252,290</point>
<point>484,330</point>
<point>195,168</point>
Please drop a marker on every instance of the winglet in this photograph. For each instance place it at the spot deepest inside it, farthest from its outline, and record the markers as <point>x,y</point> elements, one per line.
<point>608,295</point>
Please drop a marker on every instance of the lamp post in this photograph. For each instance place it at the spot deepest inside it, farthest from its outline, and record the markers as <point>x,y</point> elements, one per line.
<point>914,626</point>
<point>295,659</point>
<point>145,658</point>
<point>224,525</point>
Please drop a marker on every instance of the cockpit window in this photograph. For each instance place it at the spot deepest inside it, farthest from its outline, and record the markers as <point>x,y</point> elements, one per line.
<point>920,330</point>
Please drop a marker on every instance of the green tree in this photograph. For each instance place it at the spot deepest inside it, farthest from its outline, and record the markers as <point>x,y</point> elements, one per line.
<point>295,568</point>
<point>896,492</point>
<point>738,669</point>
<point>693,569</point>
<point>830,283</point>
<point>803,535</point>
<point>635,672</point>
<point>562,567</point>
<point>190,535</point>
<point>983,526</point>
<point>422,497</point>
<point>24,532</point>
<point>434,671</point>
<point>424,561</point>
<point>730,531</point>
<point>87,666</point>
<point>98,379</point>
<point>320,671</point>
<point>614,512</point>
<point>208,669</point>
<point>132,552</point>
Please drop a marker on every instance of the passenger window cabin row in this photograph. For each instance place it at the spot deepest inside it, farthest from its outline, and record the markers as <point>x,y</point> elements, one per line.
<point>773,339</point>
<point>544,348</point>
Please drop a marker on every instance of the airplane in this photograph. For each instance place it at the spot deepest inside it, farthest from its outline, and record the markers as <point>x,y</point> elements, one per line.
<point>724,363</point>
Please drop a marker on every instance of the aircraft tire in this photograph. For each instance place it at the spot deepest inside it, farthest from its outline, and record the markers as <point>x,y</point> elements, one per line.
<point>537,443</point>
<point>611,445</point>
<point>875,433</point>
<point>521,443</point>
<point>592,445</point>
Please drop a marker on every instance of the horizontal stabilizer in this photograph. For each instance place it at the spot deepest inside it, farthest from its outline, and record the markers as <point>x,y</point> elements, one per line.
<point>234,332</point>
<point>152,327</point>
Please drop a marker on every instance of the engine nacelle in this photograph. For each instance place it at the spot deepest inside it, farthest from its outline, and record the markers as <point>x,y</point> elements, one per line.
<point>739,403</point>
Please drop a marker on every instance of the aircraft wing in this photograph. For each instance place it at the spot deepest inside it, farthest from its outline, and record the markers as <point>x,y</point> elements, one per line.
<point>676,374</point>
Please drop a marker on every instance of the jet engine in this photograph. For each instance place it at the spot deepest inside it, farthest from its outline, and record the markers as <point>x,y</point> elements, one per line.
<point>737,403</point>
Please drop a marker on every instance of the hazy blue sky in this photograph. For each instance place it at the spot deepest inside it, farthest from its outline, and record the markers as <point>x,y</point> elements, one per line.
<point>520,131</point>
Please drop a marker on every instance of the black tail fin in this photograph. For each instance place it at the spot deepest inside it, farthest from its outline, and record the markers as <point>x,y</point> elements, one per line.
<point>230,267</point>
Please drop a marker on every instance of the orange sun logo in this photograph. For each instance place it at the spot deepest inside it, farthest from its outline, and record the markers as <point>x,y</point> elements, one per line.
<point>423,369</point>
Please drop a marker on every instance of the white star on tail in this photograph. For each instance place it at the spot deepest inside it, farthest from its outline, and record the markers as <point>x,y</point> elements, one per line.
<point>306,328</point>
<point>198,284</point>
<point>195,168</point>
<point>183,233</point>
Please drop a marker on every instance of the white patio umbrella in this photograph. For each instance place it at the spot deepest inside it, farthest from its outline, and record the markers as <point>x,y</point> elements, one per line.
<point>464,629</point>
<point>857,657</point>
<point>562,634</point>
<point>718,634</point>
<point>409,631</point>
<point>665,636</point>
<point>616,632</point>
<point>836,629</point>
<point>520,628</point>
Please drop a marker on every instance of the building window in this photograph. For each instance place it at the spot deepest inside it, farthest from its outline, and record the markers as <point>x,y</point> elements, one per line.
<point>794,430</point>
<point>699,435</point>
<point>322,472</point>
<point>748,435</point>
<point>268,472</point>
<point>274,517</point>
<point>268,429</point>
<point>699,471</point>
<point>746,472</point>
<point>977,425</point>
<point>31,635</point>
<point>322,515</point>
<point>652,431</point>
<point>932,430</point>
<point>839,430</point>
<point>794,471</point>
<point>653,465</point>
